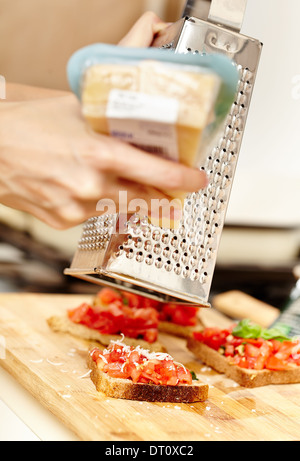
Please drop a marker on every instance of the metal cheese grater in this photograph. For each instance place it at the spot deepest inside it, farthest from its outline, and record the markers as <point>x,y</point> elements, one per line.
<point>178,265</point>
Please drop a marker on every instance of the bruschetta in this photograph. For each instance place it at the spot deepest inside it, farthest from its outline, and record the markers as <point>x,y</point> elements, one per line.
<point>108,318</point>
<point>113,313</point>
<point>248,354</point>
<point>125,372</point>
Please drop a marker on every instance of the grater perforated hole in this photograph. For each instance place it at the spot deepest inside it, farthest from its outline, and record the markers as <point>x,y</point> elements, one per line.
<point>157,249</point>
<point>156,235</point>
<point>130,253</point>
<point>149,259</point>
<point>176,255</point>
<point>165,238</point>
<point>168,266</point>
<point>225,181</point>
<point>195,275</point>
<point>177,269</point>
<point>158,263</point>
<point>138,243</point>
<point>148,245</point>
<point>225,169</point>
<point>139,256</point>
<point>183,244</point>
<point>174,241</point>
<point>166,252</point>
<point>193,261</point>
<point>186,272</point>
<point>184,258</point>
<point>146,231</point>
<point>203,277</point>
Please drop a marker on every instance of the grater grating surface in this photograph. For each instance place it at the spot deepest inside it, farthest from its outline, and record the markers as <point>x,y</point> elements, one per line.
<point>178,264</point>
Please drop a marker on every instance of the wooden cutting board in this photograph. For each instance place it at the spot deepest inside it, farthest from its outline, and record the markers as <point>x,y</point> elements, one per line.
<point>53,368</point>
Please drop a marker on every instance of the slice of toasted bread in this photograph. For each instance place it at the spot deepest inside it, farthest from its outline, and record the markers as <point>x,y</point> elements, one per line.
<point>64,325</point>
<point>181,331</point>
<point>244,377</point>
<point>127,389</point>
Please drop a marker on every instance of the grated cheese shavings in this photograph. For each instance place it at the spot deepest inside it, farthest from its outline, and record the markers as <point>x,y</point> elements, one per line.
<point>145,352</point>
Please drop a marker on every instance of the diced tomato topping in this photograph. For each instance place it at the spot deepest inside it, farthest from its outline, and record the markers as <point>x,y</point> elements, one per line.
<point>131,299</point>
<point>276,344</point>
<point>114,369</point>
<point>180,314</point>
<point>150,335</point>
<point>257,354</point>
<point>212,337</point>
<point>255,342</point>
<point>147,302</point>
<point>95,354</point>
<point>285,350</point>
<point>265,351</point>
<point>274,363</point>
<point>251,350</point>
<point>243,361</point>
<point>77,314</point>
<point>133,315</point>
<point>229,350</point>
<point>121,361</point>
<point>116,318</point>
<point>184,375</point>
<point>108,296</point>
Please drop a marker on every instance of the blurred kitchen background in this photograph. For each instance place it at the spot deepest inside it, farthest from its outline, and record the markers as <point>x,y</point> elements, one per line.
<point>260,242</point>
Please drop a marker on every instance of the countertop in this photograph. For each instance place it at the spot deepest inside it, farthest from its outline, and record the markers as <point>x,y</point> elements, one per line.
<point>46,394</point>
<point>23,418</point>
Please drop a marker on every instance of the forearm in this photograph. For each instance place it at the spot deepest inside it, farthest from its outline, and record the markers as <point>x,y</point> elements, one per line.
<point>20,92</point>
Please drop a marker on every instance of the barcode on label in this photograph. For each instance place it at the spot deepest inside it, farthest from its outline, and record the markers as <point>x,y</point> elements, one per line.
<point>153,149</point>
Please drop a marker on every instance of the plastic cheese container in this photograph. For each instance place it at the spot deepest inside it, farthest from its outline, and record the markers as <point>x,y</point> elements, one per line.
<point>168,104</point>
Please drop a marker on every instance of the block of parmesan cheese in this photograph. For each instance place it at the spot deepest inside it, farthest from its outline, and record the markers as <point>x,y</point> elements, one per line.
<point>196,93</point>
<point>160,107</point>
<point>97,84</point>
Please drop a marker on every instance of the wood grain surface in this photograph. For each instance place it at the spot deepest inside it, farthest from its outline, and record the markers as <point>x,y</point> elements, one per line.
<point>53,368</point>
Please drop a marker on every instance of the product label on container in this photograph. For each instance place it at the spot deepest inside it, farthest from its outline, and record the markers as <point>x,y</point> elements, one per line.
<point>146,121</point>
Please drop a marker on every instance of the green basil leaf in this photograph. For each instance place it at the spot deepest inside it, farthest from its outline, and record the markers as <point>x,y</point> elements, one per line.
<point>279,331</point>
<point>194,377</point>
<point>246,329</point>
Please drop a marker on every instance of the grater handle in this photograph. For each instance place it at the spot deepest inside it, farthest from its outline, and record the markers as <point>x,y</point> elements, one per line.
<point>227,13</point>
<point>197,8</point>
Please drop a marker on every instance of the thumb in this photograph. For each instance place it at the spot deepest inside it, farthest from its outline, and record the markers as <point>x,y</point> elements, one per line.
<point>143,31</point>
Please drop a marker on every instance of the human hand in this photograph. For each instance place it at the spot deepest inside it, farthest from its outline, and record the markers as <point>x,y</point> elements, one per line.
<point>55,168</point>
